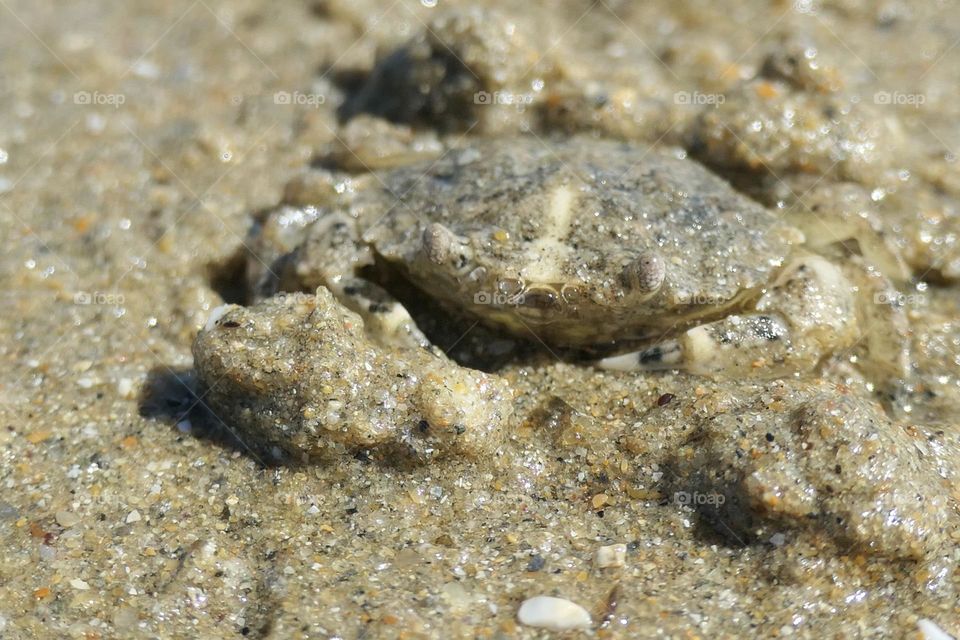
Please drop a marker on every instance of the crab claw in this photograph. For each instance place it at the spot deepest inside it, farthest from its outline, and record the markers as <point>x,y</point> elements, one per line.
<point>725,348</point>
<point>808,312</point>
<point>666,355</point>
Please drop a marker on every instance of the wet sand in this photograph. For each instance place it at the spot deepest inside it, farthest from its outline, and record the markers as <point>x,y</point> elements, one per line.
<point>140,144</point>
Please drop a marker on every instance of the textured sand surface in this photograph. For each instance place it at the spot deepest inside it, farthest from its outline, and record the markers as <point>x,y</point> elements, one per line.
<point>139,141</point>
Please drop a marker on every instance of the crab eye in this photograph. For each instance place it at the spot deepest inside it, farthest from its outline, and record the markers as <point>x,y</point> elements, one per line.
<point>438,243</point>
<point>645,274</point>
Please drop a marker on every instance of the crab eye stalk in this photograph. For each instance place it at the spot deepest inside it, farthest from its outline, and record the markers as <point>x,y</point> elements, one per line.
<point>443,248</point>
<point>644,275</point>
<point>438,243</point>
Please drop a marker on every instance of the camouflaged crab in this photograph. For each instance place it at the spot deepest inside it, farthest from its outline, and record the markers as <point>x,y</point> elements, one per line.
<point>586,243</point>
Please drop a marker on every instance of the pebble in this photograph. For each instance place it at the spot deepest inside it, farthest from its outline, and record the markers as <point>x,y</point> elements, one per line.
<point>125,618</point>
<point>556,614</point>
<point>931,631</point>
<point>67,519</point>
<point>614,555</point>
<point>133,516</point>
<point>79,584</point>
<point>456,595</point>
<point>125,388</point>
<point>7,511</point>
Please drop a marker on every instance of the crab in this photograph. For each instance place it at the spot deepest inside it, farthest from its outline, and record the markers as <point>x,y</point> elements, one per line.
<point>640,255</point>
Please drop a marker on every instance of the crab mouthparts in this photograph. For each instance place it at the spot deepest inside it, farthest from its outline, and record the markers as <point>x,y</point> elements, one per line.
<point>538,301</point>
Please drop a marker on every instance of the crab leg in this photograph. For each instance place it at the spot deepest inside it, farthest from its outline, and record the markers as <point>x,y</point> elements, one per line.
<point>735,346</point>
<point>383,316</point>
<point>808,313</point>
<point>331,255</point>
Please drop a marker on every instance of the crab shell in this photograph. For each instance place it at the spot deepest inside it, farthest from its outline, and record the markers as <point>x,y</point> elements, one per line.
<point>580,241</point>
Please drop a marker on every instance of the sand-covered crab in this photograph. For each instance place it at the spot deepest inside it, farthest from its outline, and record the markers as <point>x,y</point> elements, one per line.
<point>586,243</point>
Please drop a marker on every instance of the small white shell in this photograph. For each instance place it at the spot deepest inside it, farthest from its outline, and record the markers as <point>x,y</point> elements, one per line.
<point>556,614</point>
<point>931,631</point>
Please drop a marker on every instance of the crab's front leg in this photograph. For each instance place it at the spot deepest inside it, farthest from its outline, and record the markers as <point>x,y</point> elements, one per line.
<point>319,261</point>
<point>809,312</point>
<point>884,327</point>
<point>314,240</point>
